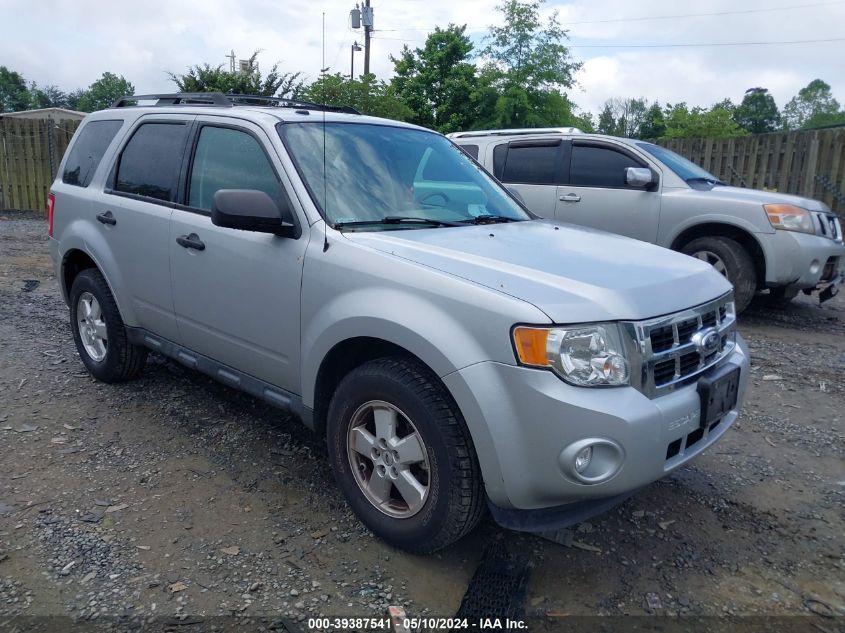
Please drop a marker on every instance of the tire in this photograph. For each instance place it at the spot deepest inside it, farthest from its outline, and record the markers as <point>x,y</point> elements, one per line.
<point>111,360</point>
<point>402,390</point>
<point>730,259</point>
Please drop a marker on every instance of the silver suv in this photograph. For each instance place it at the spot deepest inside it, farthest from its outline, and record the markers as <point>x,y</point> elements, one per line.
<point>456,352</point>
<point>757,239</point>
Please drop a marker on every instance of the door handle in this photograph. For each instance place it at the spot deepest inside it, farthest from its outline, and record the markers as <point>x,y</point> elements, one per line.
<point>107,218</point>
<point>191,241</point>
<point>570,197</point>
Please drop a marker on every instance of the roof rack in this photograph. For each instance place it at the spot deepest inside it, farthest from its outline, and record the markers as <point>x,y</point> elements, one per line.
<point>226,100</point>
<point>516,132</point>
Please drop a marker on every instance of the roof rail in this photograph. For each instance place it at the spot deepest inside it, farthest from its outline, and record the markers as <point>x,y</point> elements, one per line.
<point>226,101</point>
<point>516,132</point>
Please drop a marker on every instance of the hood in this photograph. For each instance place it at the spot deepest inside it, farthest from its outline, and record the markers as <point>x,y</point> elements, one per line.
<point>572,274</point>
<point>765,197</point>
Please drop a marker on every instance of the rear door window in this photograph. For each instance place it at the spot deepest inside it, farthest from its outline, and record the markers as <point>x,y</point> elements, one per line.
<point>226,158</point>
<point>599,166</point>
<point>149,164</point>
<point>87,151</point>
<point>532,163</point>
<point>472,150</point>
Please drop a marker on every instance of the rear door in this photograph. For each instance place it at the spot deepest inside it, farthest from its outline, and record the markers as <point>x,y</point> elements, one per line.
<point>237,299</point>
<point>534,168</point>
<point>134,215</point>
<point>597,195</point>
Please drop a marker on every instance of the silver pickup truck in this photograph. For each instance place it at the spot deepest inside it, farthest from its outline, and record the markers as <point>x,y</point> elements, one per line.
<point>758,239</point>
<point>456,352</point>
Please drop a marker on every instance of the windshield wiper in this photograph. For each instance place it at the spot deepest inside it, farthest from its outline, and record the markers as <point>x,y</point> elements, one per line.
<point>709,181</point>
<point>395,219</point>
<point>488,219</point>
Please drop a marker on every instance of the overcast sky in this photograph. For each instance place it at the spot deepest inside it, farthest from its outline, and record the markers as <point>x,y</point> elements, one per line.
<point>70,43</point>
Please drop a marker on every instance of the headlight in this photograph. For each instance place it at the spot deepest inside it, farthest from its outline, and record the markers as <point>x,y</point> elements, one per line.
<point>790,218</point>
<point>586,355</point>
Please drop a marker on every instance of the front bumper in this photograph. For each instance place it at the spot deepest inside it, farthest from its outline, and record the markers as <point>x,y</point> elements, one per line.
<point>800,261</point>
<point>522,419</point>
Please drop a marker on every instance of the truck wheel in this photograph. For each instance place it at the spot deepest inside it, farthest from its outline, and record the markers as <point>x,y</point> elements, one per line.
<point>403,457</point>
<point>732,260</point>
<point>98,330</point>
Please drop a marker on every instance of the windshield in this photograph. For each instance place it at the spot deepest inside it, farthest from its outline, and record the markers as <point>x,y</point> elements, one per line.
<point>686,169</point>
<point>378,172</point>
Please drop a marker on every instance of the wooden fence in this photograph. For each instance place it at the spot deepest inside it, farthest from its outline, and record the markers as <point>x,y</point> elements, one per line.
<point>30,153</point>
<point>809,163</point>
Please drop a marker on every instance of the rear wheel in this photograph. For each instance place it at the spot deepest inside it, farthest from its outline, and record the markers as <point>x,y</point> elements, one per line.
<point>731,260</point>
<point>98,330</point>
<point>403,457</point>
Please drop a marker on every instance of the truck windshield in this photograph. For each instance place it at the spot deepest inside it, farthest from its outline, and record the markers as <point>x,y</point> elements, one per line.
<point>684,168</point>
<point>381,177</point>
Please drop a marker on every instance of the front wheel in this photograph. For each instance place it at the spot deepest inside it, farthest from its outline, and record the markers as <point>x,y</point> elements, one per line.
<point>403,457</point>
<point>730,259</point>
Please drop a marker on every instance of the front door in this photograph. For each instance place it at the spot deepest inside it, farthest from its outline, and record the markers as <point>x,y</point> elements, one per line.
<point>236,293</point>
<point>597,195</point>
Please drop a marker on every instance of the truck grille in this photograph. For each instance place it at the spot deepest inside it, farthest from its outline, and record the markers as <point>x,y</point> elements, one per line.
<point>829,226</point>
<point>673,350</point>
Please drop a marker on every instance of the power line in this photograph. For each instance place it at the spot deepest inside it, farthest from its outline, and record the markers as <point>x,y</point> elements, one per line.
<point>700,15</point>
<point>701,44</point>
<point>832,39</point>
<point>669,17</point>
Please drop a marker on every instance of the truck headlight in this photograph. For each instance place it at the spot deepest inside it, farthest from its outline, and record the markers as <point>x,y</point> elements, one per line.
<point>584,355</point>
<point>788,217</point>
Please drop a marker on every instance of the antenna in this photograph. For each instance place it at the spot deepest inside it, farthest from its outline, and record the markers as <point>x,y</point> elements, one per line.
<point>325,180</point>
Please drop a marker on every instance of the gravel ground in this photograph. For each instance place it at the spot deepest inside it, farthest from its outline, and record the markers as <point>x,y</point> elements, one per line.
<point>173,496</point>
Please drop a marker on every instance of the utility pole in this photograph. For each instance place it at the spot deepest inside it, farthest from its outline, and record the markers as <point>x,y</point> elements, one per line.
<point>363,16</point>
<point>367,20</point>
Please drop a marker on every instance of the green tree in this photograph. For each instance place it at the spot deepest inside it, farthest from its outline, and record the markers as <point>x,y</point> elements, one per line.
<point>103,92</point>
<point>654,124</point>
<point>527,66</point>
<point>14,95</point>
<point>607,120</point>
<point>46,97</point>
<point>437,82</point>
<point>366,94</point>
<point>207,78</point>
<point>813,106</point>
<point>698,122</point>
<point>758,112</point>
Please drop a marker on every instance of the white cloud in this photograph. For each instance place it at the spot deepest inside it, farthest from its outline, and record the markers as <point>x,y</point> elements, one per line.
<point>70,43</point>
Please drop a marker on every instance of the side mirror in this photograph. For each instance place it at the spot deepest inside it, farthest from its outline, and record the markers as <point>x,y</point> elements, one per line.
<point>251,210</point>
<point>641,177</point>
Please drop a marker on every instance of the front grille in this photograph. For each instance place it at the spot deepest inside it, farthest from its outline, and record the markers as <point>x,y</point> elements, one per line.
<point>829,226</point>
<point>672,349</point>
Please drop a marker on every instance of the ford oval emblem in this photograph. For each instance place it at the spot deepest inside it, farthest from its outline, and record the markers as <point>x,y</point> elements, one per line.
<point>706,340</point>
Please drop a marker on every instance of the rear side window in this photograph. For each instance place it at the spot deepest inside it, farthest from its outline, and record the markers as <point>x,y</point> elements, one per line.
<point>532,164</point>
<point>87,151</point>
<point>150,162</point>
<point>230,159</point>
<point>472,150</point>
<point>594,166</point>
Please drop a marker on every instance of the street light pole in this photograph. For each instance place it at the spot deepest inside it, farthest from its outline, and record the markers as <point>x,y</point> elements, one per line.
<point>355,47</point>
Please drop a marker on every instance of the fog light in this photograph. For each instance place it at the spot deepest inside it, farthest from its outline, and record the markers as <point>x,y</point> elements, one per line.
<point>591,460</point>
<point>582,459</point>
<point>815,266</point>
